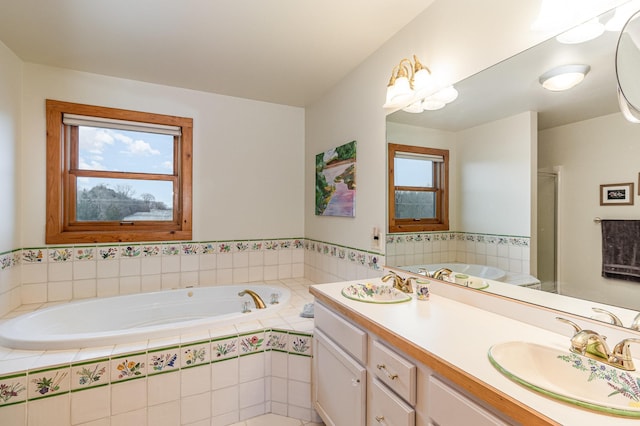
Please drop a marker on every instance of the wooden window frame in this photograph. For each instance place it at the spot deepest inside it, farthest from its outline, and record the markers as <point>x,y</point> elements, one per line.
<point>61,228</point>
<point>441,188</point>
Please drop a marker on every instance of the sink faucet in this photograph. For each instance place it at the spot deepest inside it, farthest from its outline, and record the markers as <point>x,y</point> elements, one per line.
<point>593,345</point>
<point>257,300</point>
<point>401,284</point>
<point>588,343</point>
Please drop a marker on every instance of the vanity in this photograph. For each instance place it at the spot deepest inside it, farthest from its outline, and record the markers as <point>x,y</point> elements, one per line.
<point>425,363</point>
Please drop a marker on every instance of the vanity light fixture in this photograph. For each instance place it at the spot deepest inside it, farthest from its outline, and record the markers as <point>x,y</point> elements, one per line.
<point>439,99</point>
<point>410,81</point>
<point>563,77</point>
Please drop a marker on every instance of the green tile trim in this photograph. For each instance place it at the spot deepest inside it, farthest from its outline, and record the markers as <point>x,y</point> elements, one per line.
<point>93,361</point>
<point>12,403</point>
<point>93,386</point>
<point>14,375</point>
<point>168,348</point>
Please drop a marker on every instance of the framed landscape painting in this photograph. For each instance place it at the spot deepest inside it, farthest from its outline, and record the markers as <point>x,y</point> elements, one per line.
<point>336,181</point>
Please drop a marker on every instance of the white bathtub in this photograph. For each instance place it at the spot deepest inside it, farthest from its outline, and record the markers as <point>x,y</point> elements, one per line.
<point>136,317</point>
<point>481,271</point>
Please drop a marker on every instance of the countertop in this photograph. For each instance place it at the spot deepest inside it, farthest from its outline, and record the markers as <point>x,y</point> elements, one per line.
<point>453,339</point>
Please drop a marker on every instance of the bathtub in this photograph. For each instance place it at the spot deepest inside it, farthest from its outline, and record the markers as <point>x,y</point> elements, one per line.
<point>136,317</point>
<point>481,271</point>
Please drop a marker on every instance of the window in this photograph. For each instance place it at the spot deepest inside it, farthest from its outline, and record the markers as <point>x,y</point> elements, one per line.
<point>418,192</point>
<point>117,175</point>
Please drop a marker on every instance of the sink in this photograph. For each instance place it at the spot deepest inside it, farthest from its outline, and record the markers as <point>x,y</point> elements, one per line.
<point>569,377</point>
<point>374,293</point>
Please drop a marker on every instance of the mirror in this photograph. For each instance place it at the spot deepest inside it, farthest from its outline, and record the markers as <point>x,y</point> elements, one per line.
<point>627,65</point>
<point>507,135</point>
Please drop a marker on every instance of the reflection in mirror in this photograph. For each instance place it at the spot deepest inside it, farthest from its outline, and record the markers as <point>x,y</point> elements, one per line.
<point>526,165</point>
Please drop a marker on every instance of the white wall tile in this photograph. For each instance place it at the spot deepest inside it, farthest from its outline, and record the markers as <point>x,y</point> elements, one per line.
<point>90,404</point>
<point>128,396</point>
<point>130,418</point>
<point>52,411</point>
<point>225,400</point>
<point>252,393</point>
<point>162,388</point>
<point>167,414</point>
<point>195,407</point>
<point>251,367</point>
<point>60,271</point>
<point>195,380</point>
<point>224,373</point>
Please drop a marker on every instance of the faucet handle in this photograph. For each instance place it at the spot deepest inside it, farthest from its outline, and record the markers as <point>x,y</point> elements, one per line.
<point>621,354</point>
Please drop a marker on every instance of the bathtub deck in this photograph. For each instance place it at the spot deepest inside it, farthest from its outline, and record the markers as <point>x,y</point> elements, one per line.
<point>288,318</point>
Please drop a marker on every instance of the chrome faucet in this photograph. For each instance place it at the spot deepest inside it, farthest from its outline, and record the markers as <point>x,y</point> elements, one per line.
<point>400,283</point>
<point>593,345</point>
<point>257,300</point>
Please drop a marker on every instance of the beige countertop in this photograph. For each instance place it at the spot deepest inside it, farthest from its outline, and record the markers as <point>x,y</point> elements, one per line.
<point>453,339</point>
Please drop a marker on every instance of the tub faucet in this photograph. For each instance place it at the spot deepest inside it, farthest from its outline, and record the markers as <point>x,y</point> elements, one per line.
<point>256,299</point>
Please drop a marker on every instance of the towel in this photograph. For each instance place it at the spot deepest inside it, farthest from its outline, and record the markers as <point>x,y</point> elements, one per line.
<point>621,249</point>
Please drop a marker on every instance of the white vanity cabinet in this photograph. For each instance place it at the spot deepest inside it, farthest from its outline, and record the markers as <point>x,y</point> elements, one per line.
<point>339,389</point>
<point>359,378</point>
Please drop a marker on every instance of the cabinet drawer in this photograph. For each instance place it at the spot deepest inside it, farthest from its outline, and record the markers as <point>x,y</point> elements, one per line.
<point>387,409</point>
<point>395,371</point>
<point>345,334</point>
<point>447,406</point>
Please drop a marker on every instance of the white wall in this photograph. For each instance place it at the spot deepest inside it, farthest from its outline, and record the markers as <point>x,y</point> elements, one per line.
<point>10,106</point>
<point>455,39</point>
<point>590,153</point>
<point>248,155</point>
<point>495,162</point>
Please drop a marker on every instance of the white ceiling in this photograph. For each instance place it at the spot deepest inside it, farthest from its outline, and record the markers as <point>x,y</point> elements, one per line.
<point>282,51</point>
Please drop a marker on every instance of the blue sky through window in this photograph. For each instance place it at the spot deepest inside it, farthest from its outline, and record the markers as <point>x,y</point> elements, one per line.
<point>127,151</point>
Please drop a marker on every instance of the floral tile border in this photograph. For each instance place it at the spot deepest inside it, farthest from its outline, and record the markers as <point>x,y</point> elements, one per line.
<point>163,360</point>
<point>368,259</point>
<point>48,382</point>
<point>13,389</point>
<point>16,257</point>
<point>77,377</point>
<point>459,236</point>
<point>89,374</point>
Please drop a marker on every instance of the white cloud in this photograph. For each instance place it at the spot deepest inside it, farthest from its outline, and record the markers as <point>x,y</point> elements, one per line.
<point>92,164</point>
<point>94,140</point>
<point>136,147</point>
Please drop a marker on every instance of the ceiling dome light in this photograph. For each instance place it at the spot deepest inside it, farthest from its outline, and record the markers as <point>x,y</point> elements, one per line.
<point>564,77</point>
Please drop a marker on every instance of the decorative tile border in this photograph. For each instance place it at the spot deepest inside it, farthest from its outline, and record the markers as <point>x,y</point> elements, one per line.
<point>365,258</point>
<point>28,386</point>
<point>459,236</point>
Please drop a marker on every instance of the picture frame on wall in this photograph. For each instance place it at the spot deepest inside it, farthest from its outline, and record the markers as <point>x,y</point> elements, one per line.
<point>616,194</point>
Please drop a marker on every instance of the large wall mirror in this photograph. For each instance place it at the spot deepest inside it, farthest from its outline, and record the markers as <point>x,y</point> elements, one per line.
<point>527,165</point>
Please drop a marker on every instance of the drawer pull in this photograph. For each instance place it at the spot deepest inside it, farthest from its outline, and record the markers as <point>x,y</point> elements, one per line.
<point>380,419</point>
<point>383,368</point>
<point>355,382</point>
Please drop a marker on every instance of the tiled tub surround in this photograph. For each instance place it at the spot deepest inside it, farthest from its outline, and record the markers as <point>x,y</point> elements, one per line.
<point>216,376</point>
<point>57,274</point>
<point>509,253</point>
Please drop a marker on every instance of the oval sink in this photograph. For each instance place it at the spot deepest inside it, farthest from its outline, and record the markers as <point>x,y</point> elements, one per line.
<point>373,293</point>
<point>569,377</point>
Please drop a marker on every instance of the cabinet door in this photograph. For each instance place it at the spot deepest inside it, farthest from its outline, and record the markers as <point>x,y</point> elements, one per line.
<point>339,384</point>
<point>448,406</point>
